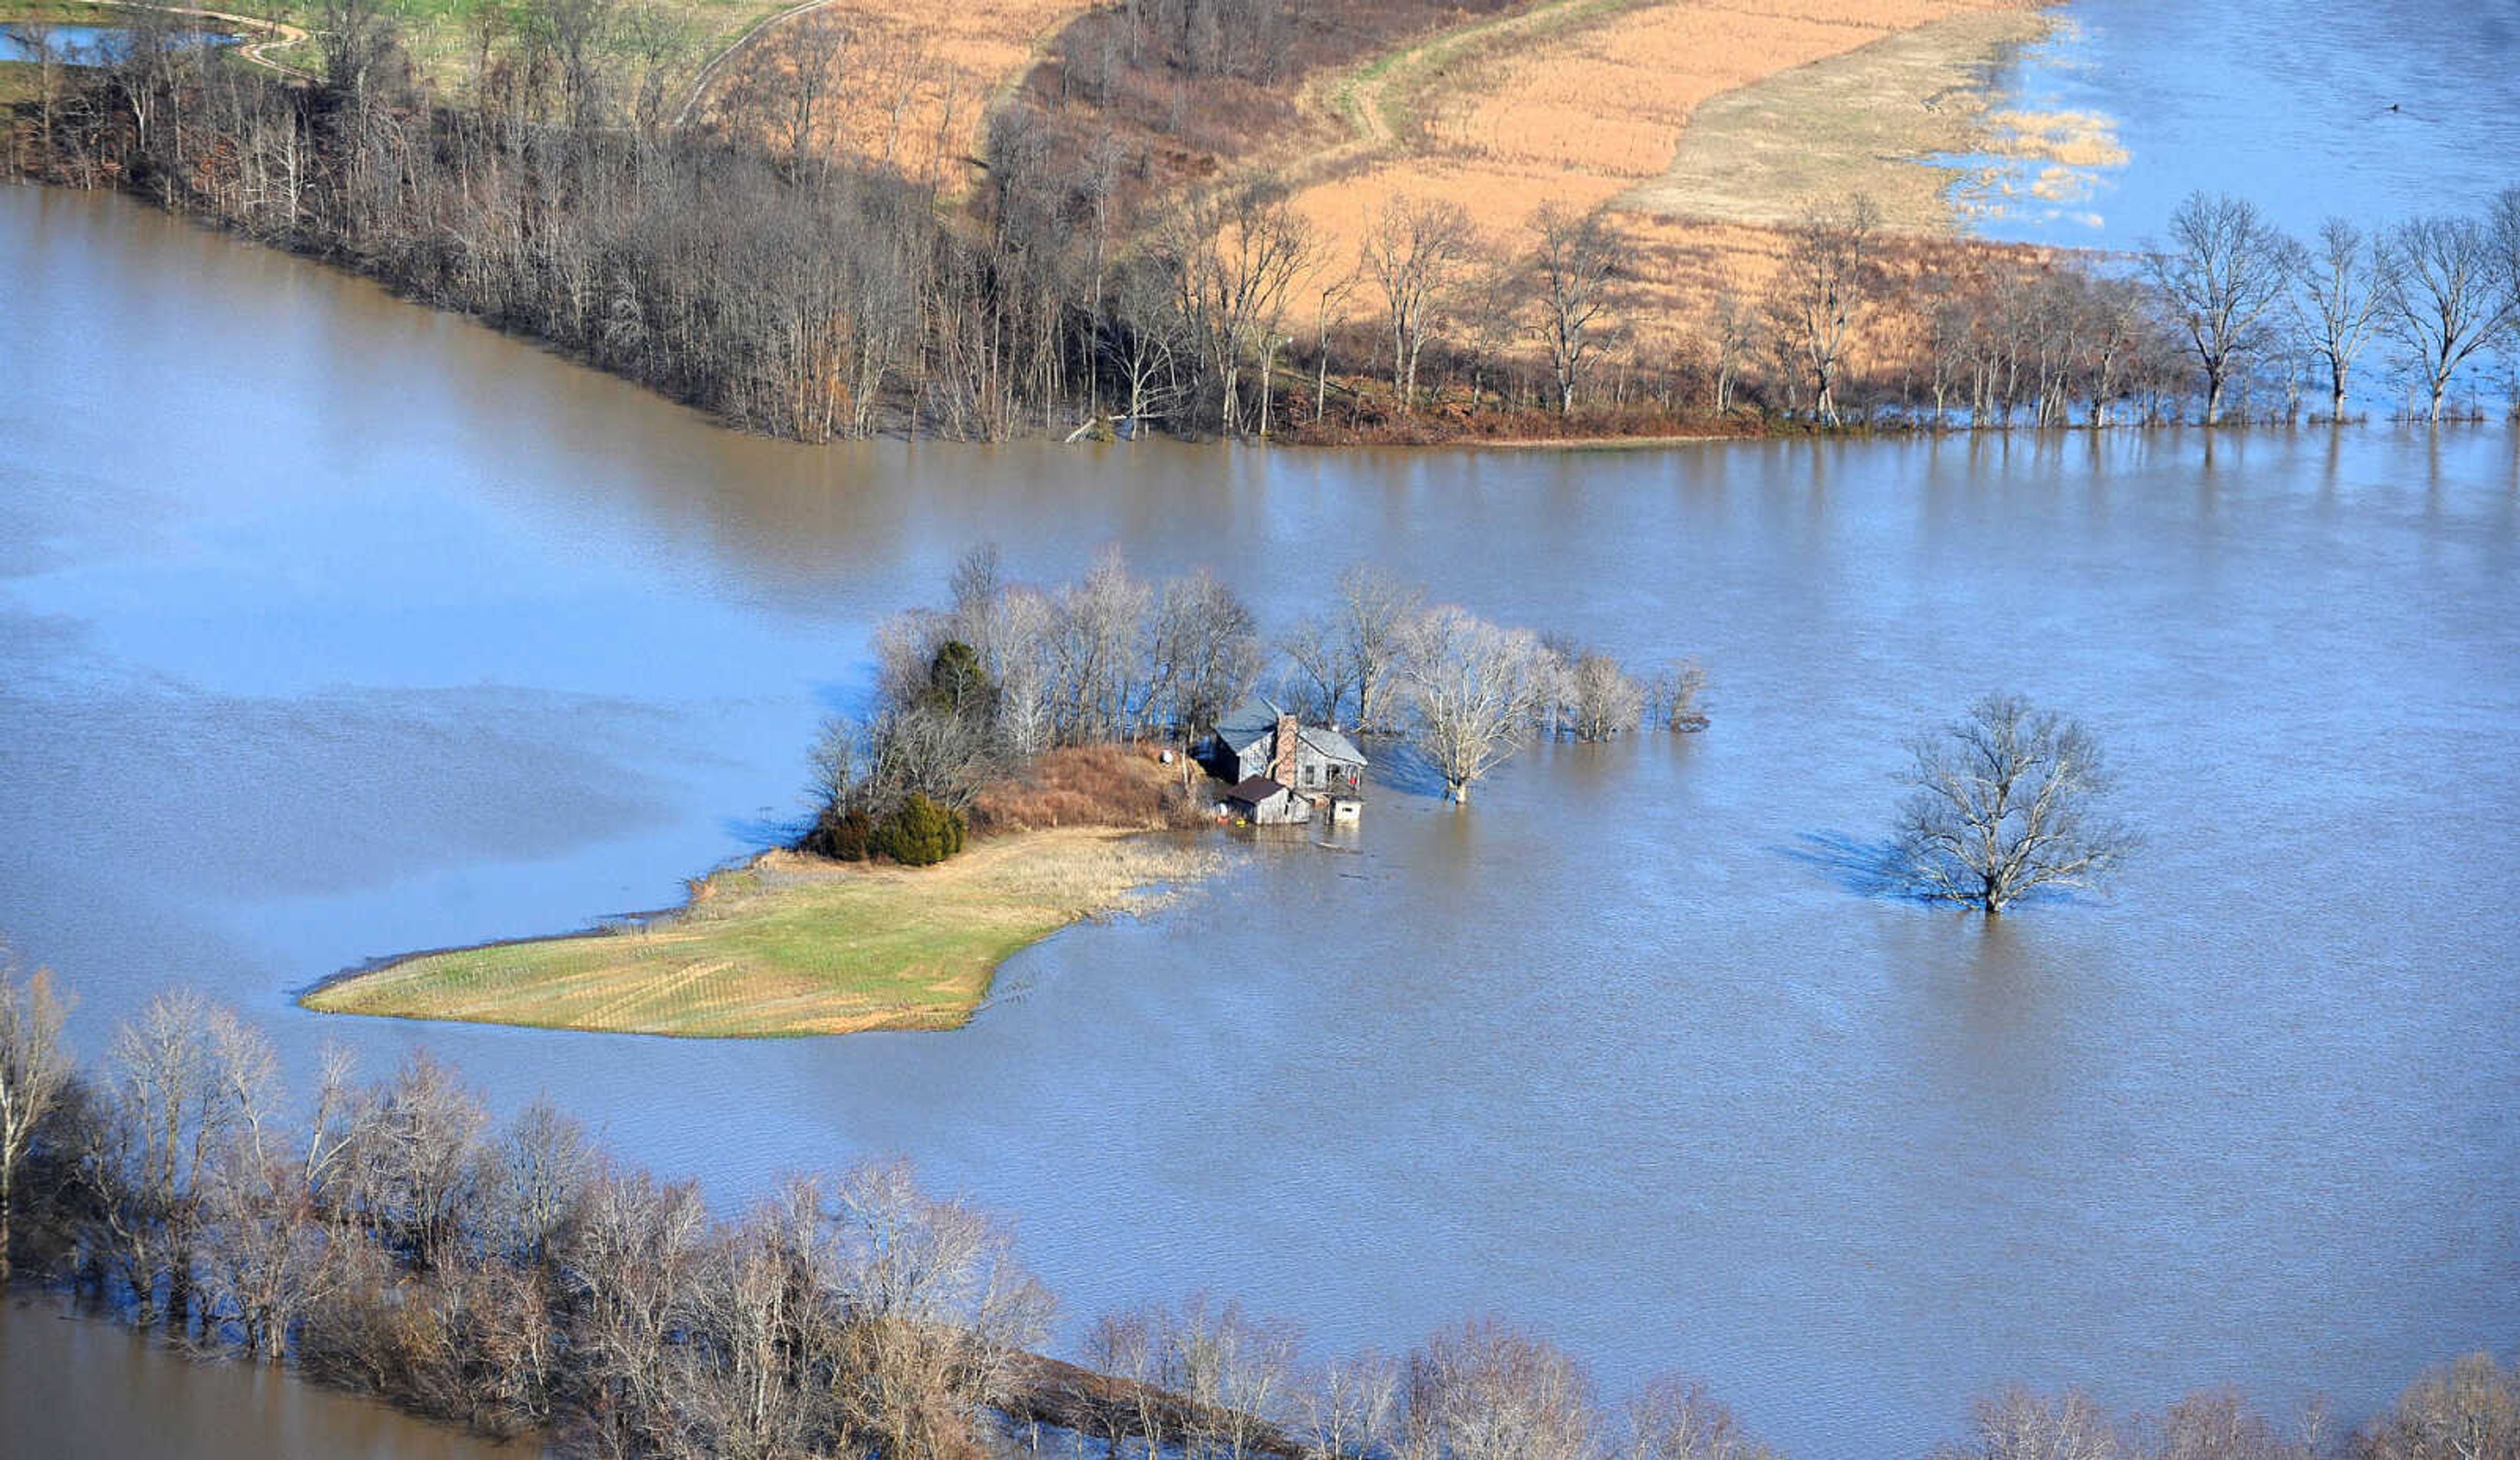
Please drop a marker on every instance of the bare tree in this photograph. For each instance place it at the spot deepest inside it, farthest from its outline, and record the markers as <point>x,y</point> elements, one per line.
<point>2442,298</point>
<point>2000,802</point>
<point>1601,698</point>
<point>2018,1425</point>
<point>1205,650</point>
<point>935,1313</point>
<point>1485,1393</point>
<point>1098,678</point>
<point>2218,1425</point>
<point>1475,692</point>
<point>1735,342</point>
<point>1577,261</point>
<point>35,1069</point>
<point>1676,1419</point>
<point>1828,281</point>
<point>1349,1405</point>
<point>1415,249</point>
<point>2468,1409</point>
<point>1372,609</point>
<point>1672,696</point>
<point>2221,276</point>
<point>1316,680</point>
<point>2504,223</point>
<point>1236,1372</point>
<point>2337,289</point>
<point>1233,258</point>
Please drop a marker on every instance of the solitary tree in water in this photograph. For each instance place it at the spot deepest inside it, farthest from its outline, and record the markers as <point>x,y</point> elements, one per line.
<point>2001,804</point>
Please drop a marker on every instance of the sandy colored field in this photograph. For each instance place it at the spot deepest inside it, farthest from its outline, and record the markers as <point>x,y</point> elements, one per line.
<point>1700,125</point>
<point>793,946</point>
<point>1598,106</point>
<point>914,85</point>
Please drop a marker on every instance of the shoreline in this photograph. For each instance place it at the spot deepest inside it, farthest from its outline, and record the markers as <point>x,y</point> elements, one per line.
<point>782,945</point>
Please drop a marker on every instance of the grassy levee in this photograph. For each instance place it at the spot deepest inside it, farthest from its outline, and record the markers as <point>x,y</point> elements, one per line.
<point>789,945</point>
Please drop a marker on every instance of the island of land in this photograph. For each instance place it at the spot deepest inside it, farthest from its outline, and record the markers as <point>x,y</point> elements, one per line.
<point>793,944</point>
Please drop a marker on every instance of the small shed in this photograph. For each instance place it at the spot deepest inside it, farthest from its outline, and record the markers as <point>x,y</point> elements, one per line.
<point>1263,802</point>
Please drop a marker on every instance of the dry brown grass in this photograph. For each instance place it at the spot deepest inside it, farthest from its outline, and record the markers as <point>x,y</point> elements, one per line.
<point>1120,786</point>
<point>915,82</point>
<point>1703,127</point>
<point>1848,123</point>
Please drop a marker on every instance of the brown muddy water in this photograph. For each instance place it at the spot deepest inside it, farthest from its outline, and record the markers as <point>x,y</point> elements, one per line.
<point>82,1388</point>
<point>331,628</point>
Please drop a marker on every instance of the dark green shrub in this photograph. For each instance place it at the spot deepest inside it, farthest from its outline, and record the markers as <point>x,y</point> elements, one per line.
<point>840,837</point>
<point>918,833</point>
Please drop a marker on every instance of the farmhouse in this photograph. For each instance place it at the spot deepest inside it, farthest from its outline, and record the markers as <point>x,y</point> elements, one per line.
<point>1260,739</point>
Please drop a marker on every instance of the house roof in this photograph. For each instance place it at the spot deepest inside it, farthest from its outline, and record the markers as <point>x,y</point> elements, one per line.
<point>1248,722</point>
<point>1331,743</point>
<point>1256,718</point>
<point>1254,791</point>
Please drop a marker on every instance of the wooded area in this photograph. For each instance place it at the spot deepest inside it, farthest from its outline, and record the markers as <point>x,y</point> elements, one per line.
<point>388,1236</point>
<point>800,268</point>
<point>975,693</point>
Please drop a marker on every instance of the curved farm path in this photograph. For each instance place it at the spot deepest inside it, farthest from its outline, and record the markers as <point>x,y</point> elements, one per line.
<point>1037,44</point>
<point>709,69</point>
<point>1363,96</point>
<point>256,52</point>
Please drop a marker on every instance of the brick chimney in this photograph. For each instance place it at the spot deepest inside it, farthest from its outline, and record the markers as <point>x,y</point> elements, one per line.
<point>1282,765</point>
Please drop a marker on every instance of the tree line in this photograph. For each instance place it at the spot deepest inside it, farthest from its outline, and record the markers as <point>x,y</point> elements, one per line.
<point>968,694</point>
<point>389,1236</point>
<point>801,275</point>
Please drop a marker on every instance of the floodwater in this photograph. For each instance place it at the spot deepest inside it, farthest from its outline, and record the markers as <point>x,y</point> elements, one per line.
<point>87,45</point>
<point>82,1389</point>
<point>2373,111</point>
<point>331,628</point>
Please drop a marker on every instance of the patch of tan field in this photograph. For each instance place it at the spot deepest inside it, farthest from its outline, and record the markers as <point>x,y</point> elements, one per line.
<point>909,84</point>
<point>1701,126</point>
<point>1851,122</point>
<point>1622,99</point>
<point>791,945</point>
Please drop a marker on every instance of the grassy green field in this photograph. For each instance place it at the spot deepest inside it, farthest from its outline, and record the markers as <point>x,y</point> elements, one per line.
<point>790,945</point>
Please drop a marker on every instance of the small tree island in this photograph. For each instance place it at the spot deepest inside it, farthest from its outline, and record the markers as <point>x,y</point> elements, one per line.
<point>1020,743</point>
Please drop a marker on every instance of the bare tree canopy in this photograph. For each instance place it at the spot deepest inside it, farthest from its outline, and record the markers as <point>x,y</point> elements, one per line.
<point>1577,260</point>
<point>1828,281</point>
<point>1597,698</point>
<point>1475,692</point>
<point>2220,276</point>
<point>2443,297</point>
<point>1416,250</point>
<point>1483,1392</point>
<point>2000,802</point>
<point>34,1069</point>
<point>393,1241</point>
<point>2336,295</point>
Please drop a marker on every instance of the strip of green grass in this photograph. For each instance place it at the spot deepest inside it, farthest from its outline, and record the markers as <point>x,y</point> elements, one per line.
<point>790,946</point>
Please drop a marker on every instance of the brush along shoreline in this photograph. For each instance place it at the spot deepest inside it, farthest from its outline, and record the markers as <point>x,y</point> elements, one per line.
<point>790,945</point>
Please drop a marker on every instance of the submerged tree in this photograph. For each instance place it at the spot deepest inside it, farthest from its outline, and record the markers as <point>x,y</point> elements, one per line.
<point>1475,692</point>
<point>34,1071</point>
<point>2001,804</point>
<point>2220,278</point>
<point>2442,300</point>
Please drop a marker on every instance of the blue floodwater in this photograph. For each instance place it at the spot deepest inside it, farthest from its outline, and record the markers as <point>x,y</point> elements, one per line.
<point>2285,102</point>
